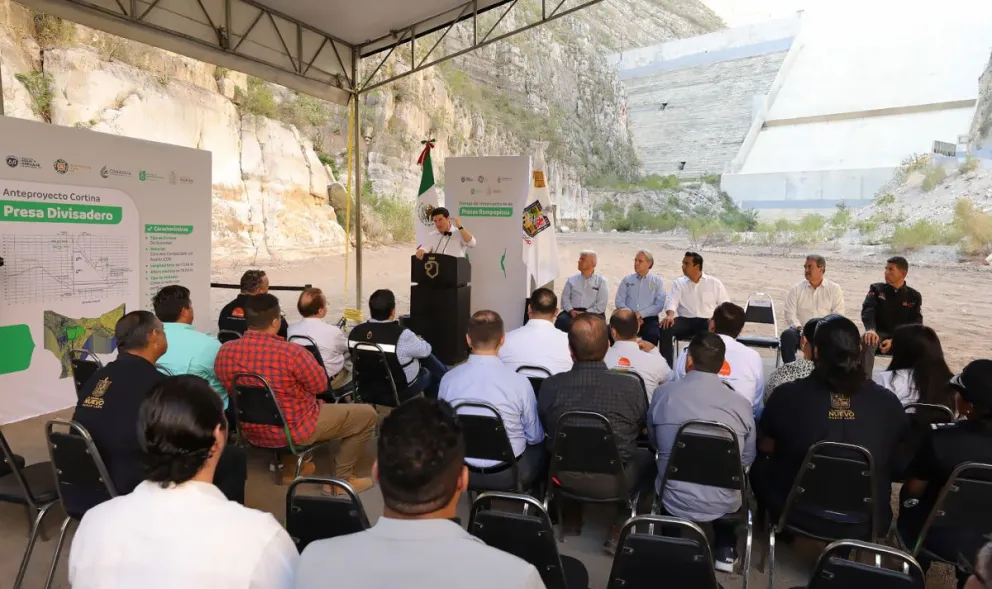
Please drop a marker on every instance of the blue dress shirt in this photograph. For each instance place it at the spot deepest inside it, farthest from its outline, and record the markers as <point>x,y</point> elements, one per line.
<point>643,295</point>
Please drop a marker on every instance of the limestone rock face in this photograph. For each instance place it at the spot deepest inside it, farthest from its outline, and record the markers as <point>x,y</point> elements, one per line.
<point>981,130</point>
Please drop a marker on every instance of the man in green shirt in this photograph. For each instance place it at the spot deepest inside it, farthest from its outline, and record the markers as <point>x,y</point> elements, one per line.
<point>190,352</point>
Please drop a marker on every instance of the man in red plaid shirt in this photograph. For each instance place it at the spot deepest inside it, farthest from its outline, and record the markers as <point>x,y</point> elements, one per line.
<point>296,378</point>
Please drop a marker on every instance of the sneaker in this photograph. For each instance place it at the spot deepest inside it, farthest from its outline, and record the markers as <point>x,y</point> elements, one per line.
<point>725,559</point>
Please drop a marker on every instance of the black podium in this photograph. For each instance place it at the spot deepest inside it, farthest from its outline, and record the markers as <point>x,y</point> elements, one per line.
<point>440,304</point>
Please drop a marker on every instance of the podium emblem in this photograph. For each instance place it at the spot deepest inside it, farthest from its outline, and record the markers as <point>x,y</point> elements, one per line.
<point>431,268</point>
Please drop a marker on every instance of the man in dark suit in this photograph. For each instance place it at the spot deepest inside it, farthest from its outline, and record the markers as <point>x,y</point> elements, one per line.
<point>887,306</point>
<point>590,386</point>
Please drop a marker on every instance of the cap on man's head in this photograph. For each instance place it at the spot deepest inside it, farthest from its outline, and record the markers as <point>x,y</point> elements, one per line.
<point>975,383</point>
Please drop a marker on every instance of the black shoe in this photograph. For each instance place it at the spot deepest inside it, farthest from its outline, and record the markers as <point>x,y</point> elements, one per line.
<point>725,558</point>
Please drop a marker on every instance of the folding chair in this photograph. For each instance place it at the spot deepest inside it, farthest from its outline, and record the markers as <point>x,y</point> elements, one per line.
<point>486,439</point>
<point>533,375</point>
<point>760,309</point>
<point>520,526</point>
<point>964,504</point>
<point>835,570</point>
<point>657,550</point>
<point>32,487</point>
<point>332,395</point>
<point>228,335</point>
<point>308,343</point>
<point>317,517</point>
<point>708,453</point>
<point>584,444</point>
<point>929,413</point>
<point>84,365</point>
<point>256,404</point>
<point>834,477</point>
<point>375,382</point>
<point>80,473</point>
<point>632,374</point>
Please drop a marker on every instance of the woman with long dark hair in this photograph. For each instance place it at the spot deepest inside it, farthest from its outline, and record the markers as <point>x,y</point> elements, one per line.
<point>836,403</point>
<point>918,372</point>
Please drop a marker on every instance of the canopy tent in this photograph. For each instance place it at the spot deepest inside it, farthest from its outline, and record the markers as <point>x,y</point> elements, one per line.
<point>314,47</point>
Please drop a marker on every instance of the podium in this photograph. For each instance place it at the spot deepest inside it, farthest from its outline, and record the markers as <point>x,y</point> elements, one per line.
<point>440,304</point>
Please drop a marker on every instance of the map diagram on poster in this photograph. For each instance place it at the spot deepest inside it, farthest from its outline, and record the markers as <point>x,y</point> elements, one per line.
<point>95,335</point>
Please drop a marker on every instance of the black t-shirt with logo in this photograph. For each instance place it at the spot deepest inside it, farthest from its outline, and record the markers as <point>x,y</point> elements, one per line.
<point>232,317</point>
<point>945,448</point>
<point>804,412</point>
<point>885,308</point>
<point>108,409</point>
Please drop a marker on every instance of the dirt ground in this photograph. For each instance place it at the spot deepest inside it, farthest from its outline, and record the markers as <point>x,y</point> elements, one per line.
<point>957,299</point>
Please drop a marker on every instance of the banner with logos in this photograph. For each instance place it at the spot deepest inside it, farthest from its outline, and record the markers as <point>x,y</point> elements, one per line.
<point>91,226</point>
<point>489,195</point>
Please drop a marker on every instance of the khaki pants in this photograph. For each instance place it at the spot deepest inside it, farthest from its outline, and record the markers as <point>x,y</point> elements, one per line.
<point>353,424</point>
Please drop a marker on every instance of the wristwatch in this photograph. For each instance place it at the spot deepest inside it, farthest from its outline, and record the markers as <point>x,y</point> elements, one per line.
<point>459,227</point>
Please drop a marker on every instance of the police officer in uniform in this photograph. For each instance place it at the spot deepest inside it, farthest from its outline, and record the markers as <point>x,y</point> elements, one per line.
<point>888,305</point>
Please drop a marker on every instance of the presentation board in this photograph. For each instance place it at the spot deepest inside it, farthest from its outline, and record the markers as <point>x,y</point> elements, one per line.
<point>91,226</point>
<point>489,195</point>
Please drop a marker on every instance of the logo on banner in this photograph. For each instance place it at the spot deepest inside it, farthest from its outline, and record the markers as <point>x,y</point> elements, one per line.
<point>61,166</point>
<point>425,213</point>
<point>25,162</point>
<point>534,219</point>
<point>107,172</point>
<point>146,176</point>
<point>172,177</point>
<point>12,161</point>
<point>431,269</point>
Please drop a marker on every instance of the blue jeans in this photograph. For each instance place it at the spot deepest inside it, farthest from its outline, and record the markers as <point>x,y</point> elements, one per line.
<point>428,380</point>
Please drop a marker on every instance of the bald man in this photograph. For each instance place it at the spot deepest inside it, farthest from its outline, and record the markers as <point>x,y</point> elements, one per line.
<point>331,341</point>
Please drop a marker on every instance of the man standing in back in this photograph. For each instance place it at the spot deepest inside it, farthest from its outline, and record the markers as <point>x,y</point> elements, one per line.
<point>232,316</point>
<point>888,305</point>
<point>585,292</point>
<point>814,297</point>
<point>644,294</point>
<point>626,352</point>
<point>538,343</point>
<point>690,305</point>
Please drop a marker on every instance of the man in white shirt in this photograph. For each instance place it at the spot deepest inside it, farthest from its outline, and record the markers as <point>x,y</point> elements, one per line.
<point>742,366</point>
<point>813,297</point>
<point>444,239</point>
<point>690,304</point>
<point>331,342</point>
<point>176,529</point>
<point>485,379</point>
<point>415,544</point>
<point>585,292</point>
<point>626,352</point>
<point>538,343</point>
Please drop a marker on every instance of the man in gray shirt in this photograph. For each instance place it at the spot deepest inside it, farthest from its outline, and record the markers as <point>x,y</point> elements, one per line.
<point>585,292</point>
<point>415,543</point>
<point>701,395</point>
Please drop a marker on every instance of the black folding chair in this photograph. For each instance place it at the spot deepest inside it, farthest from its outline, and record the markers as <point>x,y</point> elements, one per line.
<point>81,475</point>
<point>836,570</point>
<point>585,447</point>
<point>656,551</point>
<point>533,374</point>
<point>254,403</point>
<point>84,365</point>
<point>374,381</point>
<point>708,453</point>
<point>519,525</point>
<point>964,504</point>
<point>308,343</point>
<point>32,487</point>
<point>317,517</point>
<point>486,439</point>
<point>634,375</point>
<point>760,309</point>
<point>332,395</point>
<point>929,413</point>
<point>836,478</point>
<point>228,335</point>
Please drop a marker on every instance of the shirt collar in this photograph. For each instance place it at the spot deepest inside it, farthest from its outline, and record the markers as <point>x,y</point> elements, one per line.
<point>207,490</point>
<point>626,345</point>
<point>822,283</point>
<point>178,325</point>
<point>483,359</point>
<point>540,323</point>
<point>594,365</point>
<point>417,529</point>
<point>382,320</point>
<point>253,334</point>
<point>699,376</point>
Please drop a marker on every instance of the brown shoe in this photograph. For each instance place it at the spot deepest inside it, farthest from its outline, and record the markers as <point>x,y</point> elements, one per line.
<point>610,546</point>
<point>359,484</point>
<point>289,468</point>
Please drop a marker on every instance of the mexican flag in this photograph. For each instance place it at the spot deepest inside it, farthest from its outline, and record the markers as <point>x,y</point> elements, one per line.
<point>540,251</point>
<point>426,197</point>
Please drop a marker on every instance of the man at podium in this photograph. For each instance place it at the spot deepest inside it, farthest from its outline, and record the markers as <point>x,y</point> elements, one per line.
<point>444,239</point>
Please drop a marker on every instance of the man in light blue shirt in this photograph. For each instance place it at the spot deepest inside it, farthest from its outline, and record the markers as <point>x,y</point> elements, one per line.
<point>701,395</point>
<point>585,292</point>
<point>644,294</point>
<point>190,352</point>
<point>484,378</point>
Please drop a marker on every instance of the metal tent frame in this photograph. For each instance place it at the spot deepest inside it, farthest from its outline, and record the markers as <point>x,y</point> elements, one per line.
<point>317,48</point>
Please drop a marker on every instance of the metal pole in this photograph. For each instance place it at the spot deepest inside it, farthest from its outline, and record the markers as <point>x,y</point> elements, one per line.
<point>1,83</point>
<point>358,183</point>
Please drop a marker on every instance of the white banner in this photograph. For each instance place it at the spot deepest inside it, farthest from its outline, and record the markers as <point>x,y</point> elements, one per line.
<point>489,195</point>
<point>91,226</point>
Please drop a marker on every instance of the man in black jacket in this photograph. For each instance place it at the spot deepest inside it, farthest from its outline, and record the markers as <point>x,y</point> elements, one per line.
<point>887,306</point>
<point>232,316</point>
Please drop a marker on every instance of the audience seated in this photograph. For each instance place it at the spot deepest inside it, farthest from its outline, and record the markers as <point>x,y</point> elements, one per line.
<point>917,372</point>
<point>110,401</point>
<point>177,529</point>
<point>538,343</point>
<point>836,403</point>
<point>701,395</point>
<point>801,368</point>
<point>190,351</point>
<point>626,353</point>
<point>815,296</point>
<point>585,292</point>
<point>484,378</point>
<point>416,543</point>
<point>644,294</point>
<point>296,379</point>
<point>232,316</point>
<point>403,348</point>
<point>589,386</point>
<point>945,448</point>
<point>888,305</point>
<point>689,305</point>
<point>742,367</point>
<point>329,339</point>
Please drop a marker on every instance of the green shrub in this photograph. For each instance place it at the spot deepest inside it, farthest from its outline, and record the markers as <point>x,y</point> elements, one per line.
<point>39,86</point>
<point>51,31</point>
<point>257,99</point>
<point>920,234</point>
<point>841,218</point>
<point>969,165</point>
<point>932,177</point>
<point>396,215</point>
<point>974,226</point>
<point>885,199</point>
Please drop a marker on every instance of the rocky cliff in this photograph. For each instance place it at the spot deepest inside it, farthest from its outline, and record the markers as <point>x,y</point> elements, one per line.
<point>275,152</point>
<point>981,129</point>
